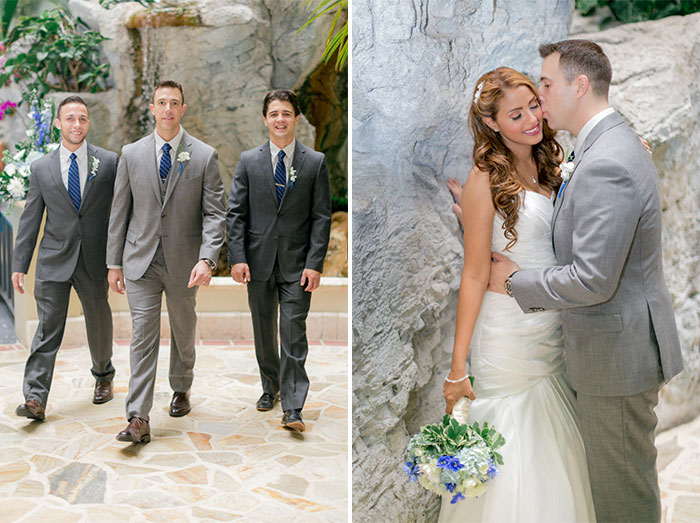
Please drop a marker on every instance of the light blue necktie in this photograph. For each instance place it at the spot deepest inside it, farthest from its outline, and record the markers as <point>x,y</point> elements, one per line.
<point>280,177</point>
<point>165,162</point>
<point>74,181</point>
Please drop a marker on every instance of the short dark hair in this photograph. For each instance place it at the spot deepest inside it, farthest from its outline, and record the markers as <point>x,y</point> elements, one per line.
<point>73,99</point>
<point>578,57</point>
<point>168,83</point>
<point>283,95</point>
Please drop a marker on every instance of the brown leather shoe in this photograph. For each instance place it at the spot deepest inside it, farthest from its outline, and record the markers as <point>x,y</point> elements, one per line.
<point>103,392</point>
<point>180,404</point>
<point>31,409</point>
<point>137,431</point>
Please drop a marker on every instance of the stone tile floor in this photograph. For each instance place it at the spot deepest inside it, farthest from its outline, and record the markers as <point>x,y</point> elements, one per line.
<point>679,472</point>
<point>224,461</point>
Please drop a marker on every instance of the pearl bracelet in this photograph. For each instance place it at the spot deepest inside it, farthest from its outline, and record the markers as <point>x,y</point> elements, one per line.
<point>448,380</point>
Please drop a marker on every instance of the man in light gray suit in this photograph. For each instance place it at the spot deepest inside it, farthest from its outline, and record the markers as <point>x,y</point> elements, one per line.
<point>279,219</point>
<point>74,184</point>
<point>618,322</point>
<point>165,231</point>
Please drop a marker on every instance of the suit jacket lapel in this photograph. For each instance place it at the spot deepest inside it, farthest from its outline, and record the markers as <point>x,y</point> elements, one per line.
<point>150,162</point>
<point>607,123</point>
<point>91,153</point>
<point>267,169</point>
<point>175,170</point>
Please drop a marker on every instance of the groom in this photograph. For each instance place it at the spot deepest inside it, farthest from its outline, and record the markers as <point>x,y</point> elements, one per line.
<point>618,322</point>
<point>279,220</point>
<point>74,185</point>
<point>165,231</point>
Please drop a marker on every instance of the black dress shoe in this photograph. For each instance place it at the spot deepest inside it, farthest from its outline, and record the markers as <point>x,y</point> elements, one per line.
<point>180,404</point>
<point>266,402</point>
<point>137,431</point>
<point>292,420</point>
<point>32,409</point>
<point>103,392</point>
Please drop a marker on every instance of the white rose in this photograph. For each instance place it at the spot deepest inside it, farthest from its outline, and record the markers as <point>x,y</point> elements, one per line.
<point>10,169</point>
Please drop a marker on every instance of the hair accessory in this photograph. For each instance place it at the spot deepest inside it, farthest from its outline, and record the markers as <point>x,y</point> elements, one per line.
<point>479,88</point>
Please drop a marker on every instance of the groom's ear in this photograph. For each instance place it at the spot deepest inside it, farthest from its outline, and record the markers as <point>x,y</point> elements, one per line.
<point>490,122</point>
<point>582,85</point>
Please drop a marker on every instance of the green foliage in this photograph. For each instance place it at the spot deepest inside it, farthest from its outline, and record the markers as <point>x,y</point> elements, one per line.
<point>109,3</point>
<point>339,203</point>
<point>7,12</point>
<point>335,43</point>
<point>48,52</point>
<point>629,11</point>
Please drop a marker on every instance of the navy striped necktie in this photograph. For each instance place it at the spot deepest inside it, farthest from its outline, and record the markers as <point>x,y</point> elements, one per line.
<point>280,177</point>
<point>74,181</point>
<point>165,162</point>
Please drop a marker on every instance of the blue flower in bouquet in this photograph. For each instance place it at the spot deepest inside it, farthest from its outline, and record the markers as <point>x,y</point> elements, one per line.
<point>411,468</point>
<point>449,463</point>
<point>456,498</point>
<point>492,471</point>
<point>450,487</point>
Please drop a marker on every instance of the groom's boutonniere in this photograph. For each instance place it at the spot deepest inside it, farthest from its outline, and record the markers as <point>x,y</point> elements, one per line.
<point>292,177</point>
<point>566,168</point>
<point>94,165</point>
<point>182,157</point>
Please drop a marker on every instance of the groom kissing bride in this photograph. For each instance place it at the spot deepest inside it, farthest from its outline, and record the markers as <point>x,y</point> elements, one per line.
<point>579,247</point>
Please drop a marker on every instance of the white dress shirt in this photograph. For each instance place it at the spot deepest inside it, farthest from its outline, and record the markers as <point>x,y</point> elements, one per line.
<point>586,129</point>
<point>288,156</point>
<point>82,160</point>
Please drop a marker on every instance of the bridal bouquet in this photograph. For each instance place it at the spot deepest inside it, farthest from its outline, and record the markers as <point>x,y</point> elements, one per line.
<point>452,458</point>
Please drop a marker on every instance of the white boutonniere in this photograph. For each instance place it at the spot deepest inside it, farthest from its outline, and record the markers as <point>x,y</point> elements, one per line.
<point>94,165</point>
<point>566,169</point>
<point>182,157</point>
<point>292,177</point>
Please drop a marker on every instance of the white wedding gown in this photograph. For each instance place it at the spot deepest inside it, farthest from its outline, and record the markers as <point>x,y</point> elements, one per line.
<point>517,360</point>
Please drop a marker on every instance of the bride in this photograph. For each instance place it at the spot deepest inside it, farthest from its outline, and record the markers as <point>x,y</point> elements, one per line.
<point>517,359</point>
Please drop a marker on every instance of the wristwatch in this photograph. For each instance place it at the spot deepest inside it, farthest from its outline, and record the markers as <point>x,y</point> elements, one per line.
<point>508,287</point>
<point>211,263</point>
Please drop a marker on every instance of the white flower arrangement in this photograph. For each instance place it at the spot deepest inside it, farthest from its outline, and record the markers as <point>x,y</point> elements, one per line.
<point>479,88</point>
<point>566,169</point>
<point>94,166</point>
<point>182,157</point>
<point>292,177</point>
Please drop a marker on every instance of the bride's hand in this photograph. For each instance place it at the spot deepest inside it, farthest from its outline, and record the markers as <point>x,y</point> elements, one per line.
<point>454,391</point>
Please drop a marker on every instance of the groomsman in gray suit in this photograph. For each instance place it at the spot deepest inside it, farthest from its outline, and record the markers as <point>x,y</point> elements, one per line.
<point>74,184</point>
<point>165,233</point>
<point>619,327</point>
<point>278,222</point>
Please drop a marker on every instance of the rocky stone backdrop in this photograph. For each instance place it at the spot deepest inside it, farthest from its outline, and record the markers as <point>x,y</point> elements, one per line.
<point>414,69</point>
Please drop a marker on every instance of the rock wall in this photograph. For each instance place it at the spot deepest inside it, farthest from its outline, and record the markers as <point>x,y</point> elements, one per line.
<point>656,71</point>
<point>415,64</point>
<point>227,55</point>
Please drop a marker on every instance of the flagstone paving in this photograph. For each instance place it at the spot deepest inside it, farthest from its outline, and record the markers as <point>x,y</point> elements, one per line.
<point>224,461</point>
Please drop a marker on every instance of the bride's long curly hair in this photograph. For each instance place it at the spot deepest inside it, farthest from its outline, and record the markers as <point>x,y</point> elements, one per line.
<point>492,156</point>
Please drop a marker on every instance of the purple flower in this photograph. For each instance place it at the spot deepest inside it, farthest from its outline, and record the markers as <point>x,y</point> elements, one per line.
<point>456,498</point>
<point>8,107</point>
<point>411,468</point>
<point>450,487</point>
<point>450,463</point>
<point>492,471</point>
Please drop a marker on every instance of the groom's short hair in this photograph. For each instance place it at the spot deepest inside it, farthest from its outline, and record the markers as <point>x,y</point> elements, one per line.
<point>168,83</point>
<point>73,99</point>
<point>283,95</point>
<point>578,57</point>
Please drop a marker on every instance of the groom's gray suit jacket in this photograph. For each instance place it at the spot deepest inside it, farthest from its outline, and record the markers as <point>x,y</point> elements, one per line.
<point>618,323</point>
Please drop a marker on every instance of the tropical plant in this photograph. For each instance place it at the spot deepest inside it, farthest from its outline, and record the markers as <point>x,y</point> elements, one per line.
<point>49,52</point>
<point>335,43</point>
<point>638,11</point>
<point>7,12</point>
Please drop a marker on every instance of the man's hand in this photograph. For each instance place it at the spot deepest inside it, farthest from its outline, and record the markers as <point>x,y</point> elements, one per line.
<point>200,275</point>
<point>115,277</point>
<point>240,273</point>
<point>501,268</point>
<point>311,278</point>
<point>18,281</point>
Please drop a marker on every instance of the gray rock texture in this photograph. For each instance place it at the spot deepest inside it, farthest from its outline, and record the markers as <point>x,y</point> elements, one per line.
<point>414,69</point>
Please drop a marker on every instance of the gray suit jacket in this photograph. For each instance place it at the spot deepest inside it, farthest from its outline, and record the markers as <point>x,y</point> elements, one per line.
<point>618,322</point>
<point>296,232</point>
<point>189,220</point>
<point>67,230</point>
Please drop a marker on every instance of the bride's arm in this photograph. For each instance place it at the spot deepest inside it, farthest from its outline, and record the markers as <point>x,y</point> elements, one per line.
<point>478,214</point>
